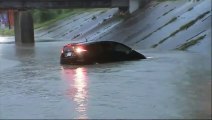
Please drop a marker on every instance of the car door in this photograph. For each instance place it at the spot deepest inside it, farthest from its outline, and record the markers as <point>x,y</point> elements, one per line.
<point>105,52</point>
<point>112,51</point>
<point>94,51</point>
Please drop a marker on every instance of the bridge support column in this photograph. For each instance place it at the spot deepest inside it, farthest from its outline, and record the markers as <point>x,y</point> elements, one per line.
<point>24,32</point>
<point>136,4</point>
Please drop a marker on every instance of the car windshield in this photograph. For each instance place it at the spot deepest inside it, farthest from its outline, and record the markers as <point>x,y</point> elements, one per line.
<point>121,48</point>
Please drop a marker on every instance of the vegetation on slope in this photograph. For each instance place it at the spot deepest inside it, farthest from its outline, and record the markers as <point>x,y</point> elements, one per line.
<point>7,32</point>
<point>191,43</point>
<point>183,27</point>
<point>44,18</point>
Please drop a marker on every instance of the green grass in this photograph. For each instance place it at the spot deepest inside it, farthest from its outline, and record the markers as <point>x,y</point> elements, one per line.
<point>154,46</point>
<point>49,22</point>
<point>7,32</point>
<point>145,37</point>
<point>172,20</point>
<point>169,22</point>
<point>186,26</point>
<point>191,43</point>
<point>168,12</point>
<point>38,24</point>
<point>183,27</point>
<point>62,16</point>
<point>190,9</point>
<point>189,24</point>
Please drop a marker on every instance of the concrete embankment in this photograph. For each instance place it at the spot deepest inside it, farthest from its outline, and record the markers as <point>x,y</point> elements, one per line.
<point>182,25</point>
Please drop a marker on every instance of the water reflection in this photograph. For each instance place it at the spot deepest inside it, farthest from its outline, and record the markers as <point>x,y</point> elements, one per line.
<point>78,89</point>
<point>25,52</point>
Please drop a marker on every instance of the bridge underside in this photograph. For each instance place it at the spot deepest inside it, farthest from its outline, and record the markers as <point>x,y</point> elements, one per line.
<point>61,4</point>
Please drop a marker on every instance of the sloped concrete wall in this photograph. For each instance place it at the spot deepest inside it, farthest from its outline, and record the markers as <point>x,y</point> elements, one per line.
<point>167,25</point>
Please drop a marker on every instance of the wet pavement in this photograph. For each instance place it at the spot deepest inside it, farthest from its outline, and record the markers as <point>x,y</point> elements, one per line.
<point>169,84</point>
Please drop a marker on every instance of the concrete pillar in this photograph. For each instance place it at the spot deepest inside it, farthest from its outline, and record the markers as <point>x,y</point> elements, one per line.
<point>24,32</point>
<point>134,5</point>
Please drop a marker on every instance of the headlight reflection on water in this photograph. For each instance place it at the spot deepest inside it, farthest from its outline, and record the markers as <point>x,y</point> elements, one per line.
<point>78,89</point>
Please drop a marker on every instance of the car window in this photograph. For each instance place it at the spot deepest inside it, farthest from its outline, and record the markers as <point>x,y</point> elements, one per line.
<point>97,48</point>
<point>116,47</point>
<point>121,48</point>
<point>107,47</point>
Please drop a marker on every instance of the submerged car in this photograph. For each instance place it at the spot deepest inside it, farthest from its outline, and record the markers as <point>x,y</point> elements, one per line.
<point>97,52</point>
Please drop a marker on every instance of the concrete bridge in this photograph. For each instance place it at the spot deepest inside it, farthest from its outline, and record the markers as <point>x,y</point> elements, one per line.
<point>24,32</point>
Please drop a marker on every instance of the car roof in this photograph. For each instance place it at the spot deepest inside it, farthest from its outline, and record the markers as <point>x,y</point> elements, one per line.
<point>94,42</point>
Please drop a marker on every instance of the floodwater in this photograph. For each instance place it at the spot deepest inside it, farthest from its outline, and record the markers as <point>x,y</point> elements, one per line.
<point>169,84</point>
